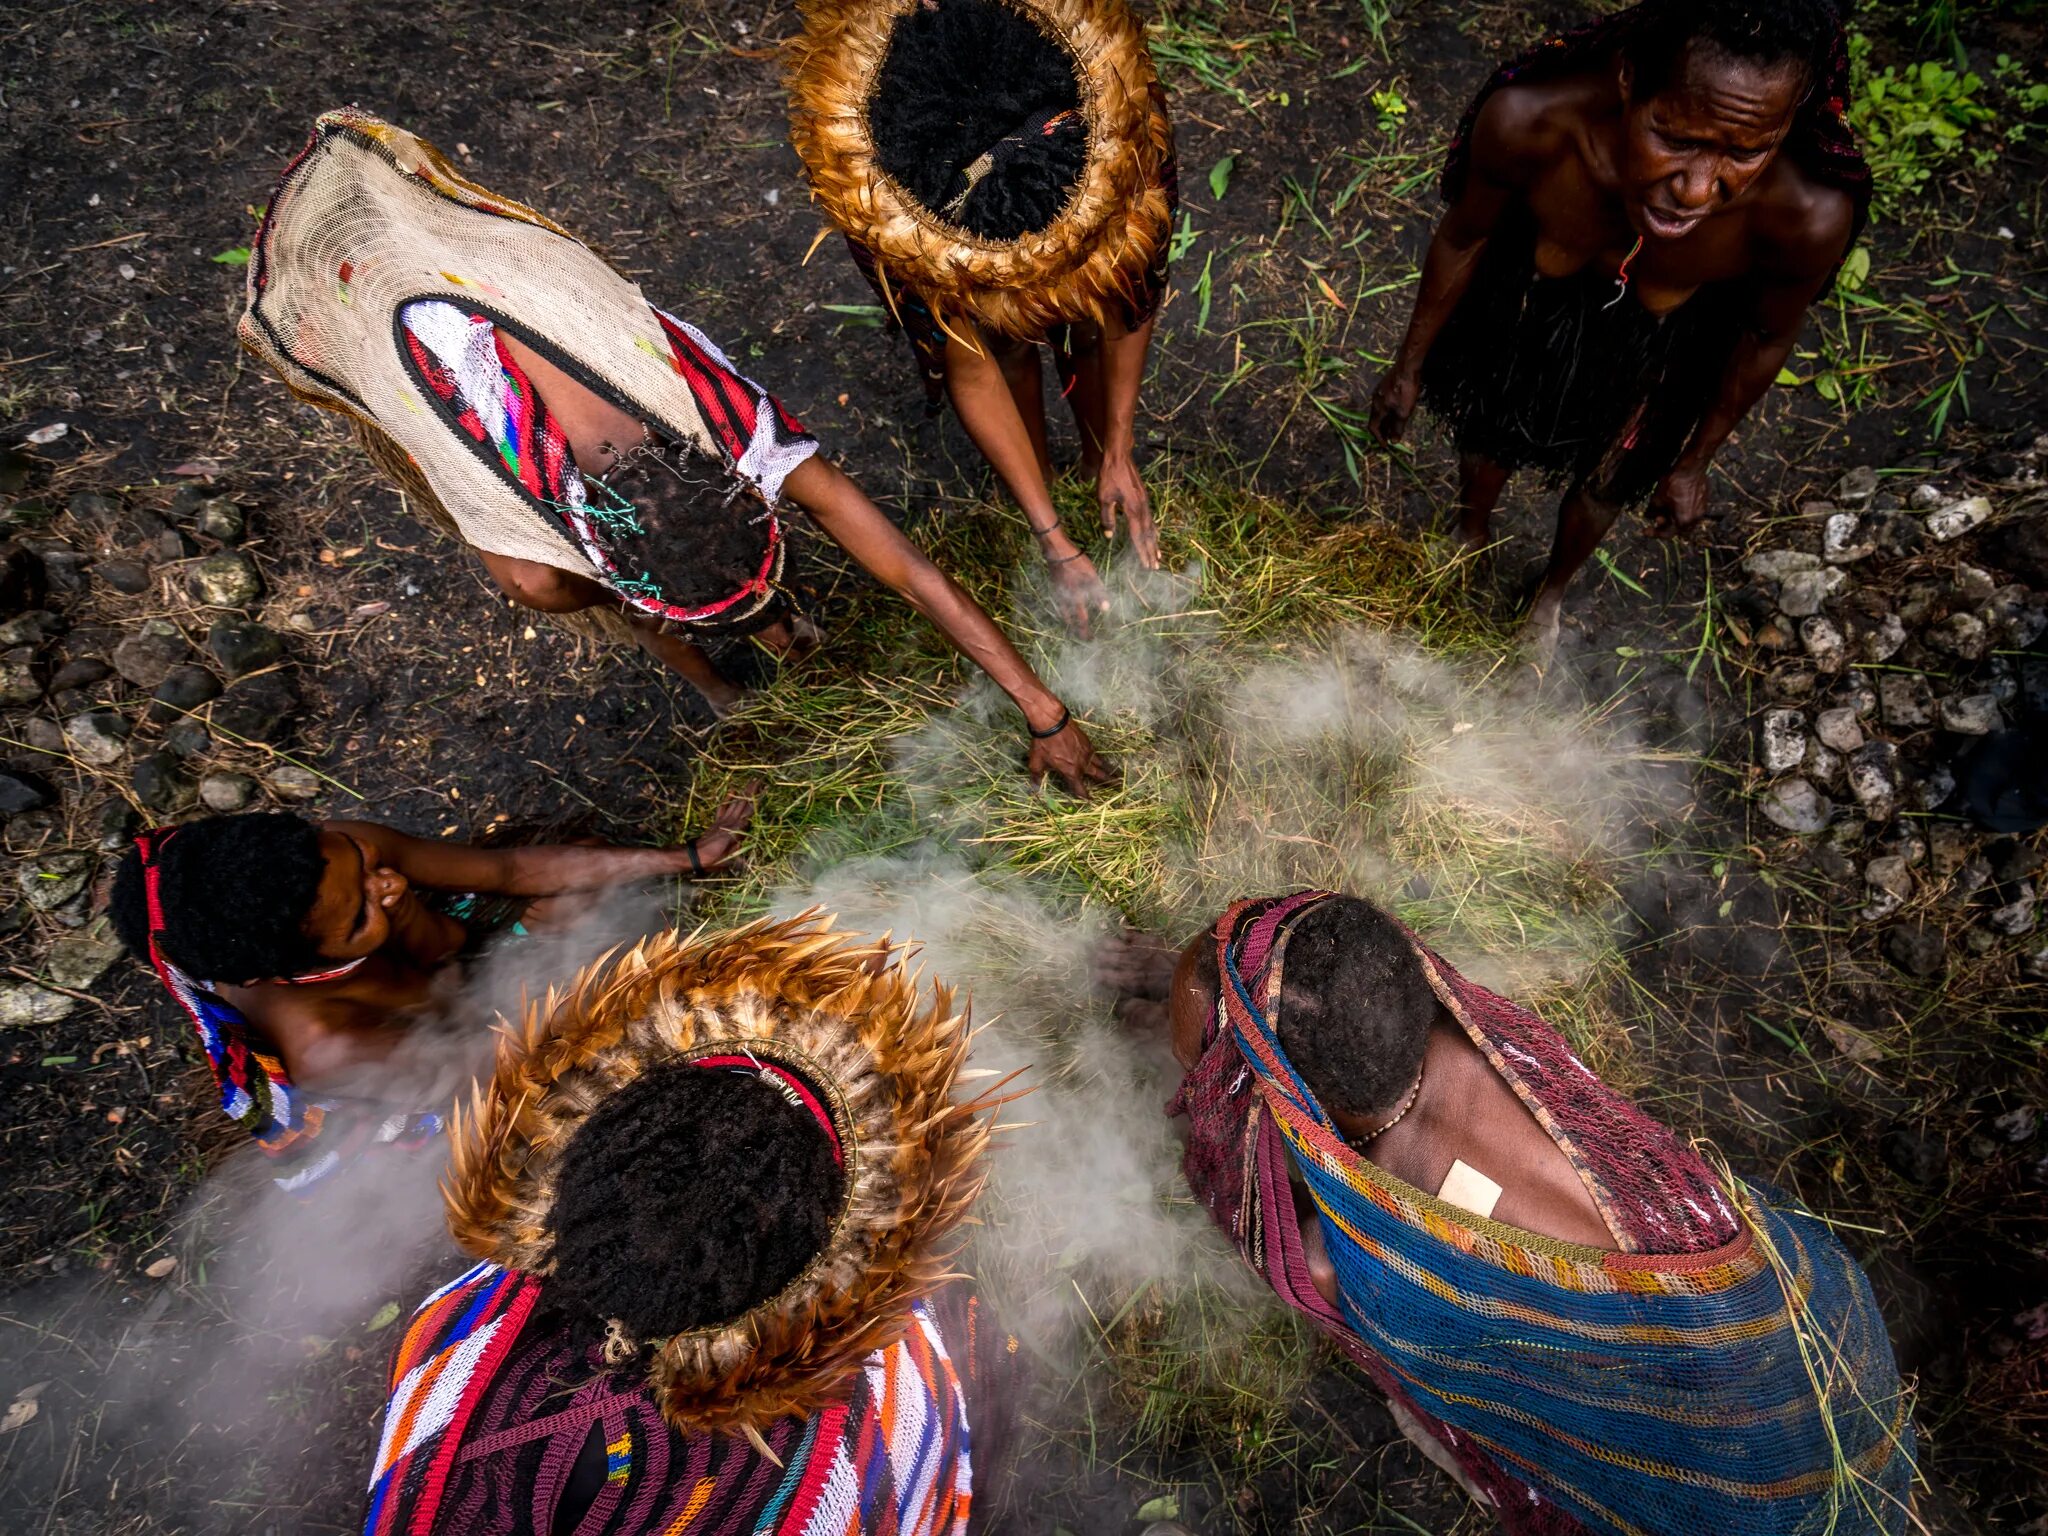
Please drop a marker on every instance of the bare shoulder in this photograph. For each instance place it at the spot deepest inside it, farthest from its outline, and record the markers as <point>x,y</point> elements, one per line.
<point>1801,226</point>
<point>1524,128</point>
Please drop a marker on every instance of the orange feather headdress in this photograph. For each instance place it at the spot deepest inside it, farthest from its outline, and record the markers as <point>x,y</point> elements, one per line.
<point>1093,256</point>
<point>853,1020</point>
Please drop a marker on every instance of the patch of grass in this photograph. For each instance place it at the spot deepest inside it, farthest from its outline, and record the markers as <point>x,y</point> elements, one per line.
<point>1915,122</point>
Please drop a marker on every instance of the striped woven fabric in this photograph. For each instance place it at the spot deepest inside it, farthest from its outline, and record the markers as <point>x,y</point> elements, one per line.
<point>1746,1385</point>
<point>487,1416</point>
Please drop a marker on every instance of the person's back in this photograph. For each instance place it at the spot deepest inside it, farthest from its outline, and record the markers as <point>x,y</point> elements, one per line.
<point>716,1186</point>
<point>1563,1303</point>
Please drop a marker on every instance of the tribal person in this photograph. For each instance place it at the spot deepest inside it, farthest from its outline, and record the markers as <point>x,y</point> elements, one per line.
<point>1565,1307</point>
<point>602,457</point>
<point>1641,212</point>
<point>1003,172</point>
<point>302,951</point>
<point>716,1185</point>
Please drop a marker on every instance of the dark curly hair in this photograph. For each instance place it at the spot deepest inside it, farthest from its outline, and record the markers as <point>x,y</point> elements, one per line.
<point>690,1195</point>
<point>967,78</point>
<point>235,891</point>
<point>1766,32</point>
<point>702,538</point>
<point>1355,1008</point>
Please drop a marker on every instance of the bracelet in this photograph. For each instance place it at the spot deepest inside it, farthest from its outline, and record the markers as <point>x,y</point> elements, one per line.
<point>1066,719</point>
<point>1043,533</point>
<point>1065,559</point>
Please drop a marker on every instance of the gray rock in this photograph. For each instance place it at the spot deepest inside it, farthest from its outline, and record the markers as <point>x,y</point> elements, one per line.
<point>1896,533</point>
<point>183,690</point>
<point>1874,779</point>
<point>242,647</point>
<point>1881,641</point>
<point>2017,1127</point>
<point>146,657</point>
<point>2016,916</point>
<point>1797,806</point>
<point>52,880</point>
<point>1916,949</point>
<point>1881,905</point>
<point>1973,583</point>
<point>18,681</point>
<point>1907,844</point>
<point>161,785</point>
<point>1973,714</point>
<point>219,518</point>
<point>114,826</point>
<point>227,792</point>
<point>1960,634</point>
<point>44,735</point>
<point>174,544</point>
<point>226,580</point>
<point>1802,593</point>
<point>1837,728</point>
<point>1914,1156</point>
<point>1857,486</point>
<point>1957,518</point>
<point>21,791</point>
<point>1905,701</point>
<point>1925,498</point>
<point>1948,847</point>
<point>1824,643</point>
<point>291,782</point>
<point>1823,765</point>
<point>188,739</point>
<point>1789,682</point>
<point>2034,966</point>
<point>1777,564</point>
<point>1841,542</point>
<point>1781,741</point>
<point>85,672</point>
<point>2017,615</point>
<point>130,577</point>
<point>1980,941</point>
<point>23,1004</point>
<point>1970,878</point>
<point>1854,692</point>
<point>259,708</point>
<point>1890,874</point>
<point>77,960</point>
<point>99,736</point>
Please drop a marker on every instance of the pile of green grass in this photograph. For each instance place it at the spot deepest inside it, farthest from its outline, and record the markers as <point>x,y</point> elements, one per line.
<point>1298,701</point>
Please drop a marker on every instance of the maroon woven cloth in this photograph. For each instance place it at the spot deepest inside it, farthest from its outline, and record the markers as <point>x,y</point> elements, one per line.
<point>1656,1195</point>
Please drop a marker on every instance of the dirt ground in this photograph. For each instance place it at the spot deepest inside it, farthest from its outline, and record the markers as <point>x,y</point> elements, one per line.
<point>135,140</point>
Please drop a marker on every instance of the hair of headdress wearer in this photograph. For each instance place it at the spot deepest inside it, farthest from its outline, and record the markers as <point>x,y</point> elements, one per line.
<point>236,891</point>
<point>687,1197</point>
<point>1355,1006</point>
<point>977,113</point>
<point>700,537</point>
<point>1766,32</point>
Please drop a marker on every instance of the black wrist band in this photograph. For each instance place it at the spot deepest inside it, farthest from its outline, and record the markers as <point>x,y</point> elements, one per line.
<point>1066,719</point>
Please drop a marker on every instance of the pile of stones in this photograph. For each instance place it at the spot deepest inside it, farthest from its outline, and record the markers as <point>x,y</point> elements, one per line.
<point>1898,631</point>
<point>135,680</point>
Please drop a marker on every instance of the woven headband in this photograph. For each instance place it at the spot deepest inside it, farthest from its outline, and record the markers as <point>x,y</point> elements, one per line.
<point>1251,944</point>
<point>790,1085</point>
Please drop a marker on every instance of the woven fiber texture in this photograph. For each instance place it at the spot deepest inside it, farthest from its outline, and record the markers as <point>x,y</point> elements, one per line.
<point>1095,255</point>
<point>370,217</point>
<point>851,1019</point>
<point>1703,1381</point>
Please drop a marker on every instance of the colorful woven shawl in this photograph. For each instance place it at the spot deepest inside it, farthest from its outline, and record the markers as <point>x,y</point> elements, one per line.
<point>487,1416</point>
<point>256,1092</point>
<point>1727,1370</point>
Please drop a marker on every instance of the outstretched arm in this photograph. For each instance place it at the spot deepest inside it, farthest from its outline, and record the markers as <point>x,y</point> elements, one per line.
<point>547,869</point>
<point>857,525</point>
<point>1119,487</point>
<point>1504,140</point>
<point>1790,278</point>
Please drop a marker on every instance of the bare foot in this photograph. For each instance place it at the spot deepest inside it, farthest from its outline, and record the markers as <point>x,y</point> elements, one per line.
<point>1078,593</point>
<point>1539,632</point>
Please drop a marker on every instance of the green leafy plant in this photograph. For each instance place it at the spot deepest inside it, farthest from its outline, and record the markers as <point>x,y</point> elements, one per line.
<point>1391,106</point>
<point>1916,122</point>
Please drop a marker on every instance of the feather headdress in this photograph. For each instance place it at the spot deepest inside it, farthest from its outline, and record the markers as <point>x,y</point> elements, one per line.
<point>1093,256</point>
<point>851,1018</point>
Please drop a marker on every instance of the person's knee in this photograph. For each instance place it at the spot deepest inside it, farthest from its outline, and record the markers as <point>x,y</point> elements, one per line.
<point>542,588</point>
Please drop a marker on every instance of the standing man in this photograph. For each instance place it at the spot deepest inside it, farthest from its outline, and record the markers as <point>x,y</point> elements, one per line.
<point>1003,173</point>
<point>1641,212</point>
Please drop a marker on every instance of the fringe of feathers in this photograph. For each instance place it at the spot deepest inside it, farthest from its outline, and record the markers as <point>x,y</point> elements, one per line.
<point>1093,257</point>
<point>847,1014</point>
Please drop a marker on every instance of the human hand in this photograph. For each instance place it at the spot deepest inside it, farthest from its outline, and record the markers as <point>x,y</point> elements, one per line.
<point>719,844</point>
<point>1118,489</point>
<point>1680,502</point>
<point>1393,402</point>
<point>1078,592</point>
<point>1070,754</point>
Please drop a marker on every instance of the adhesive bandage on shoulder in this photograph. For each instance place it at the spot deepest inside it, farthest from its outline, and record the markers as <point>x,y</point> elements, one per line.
<point>1469,1189</point>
